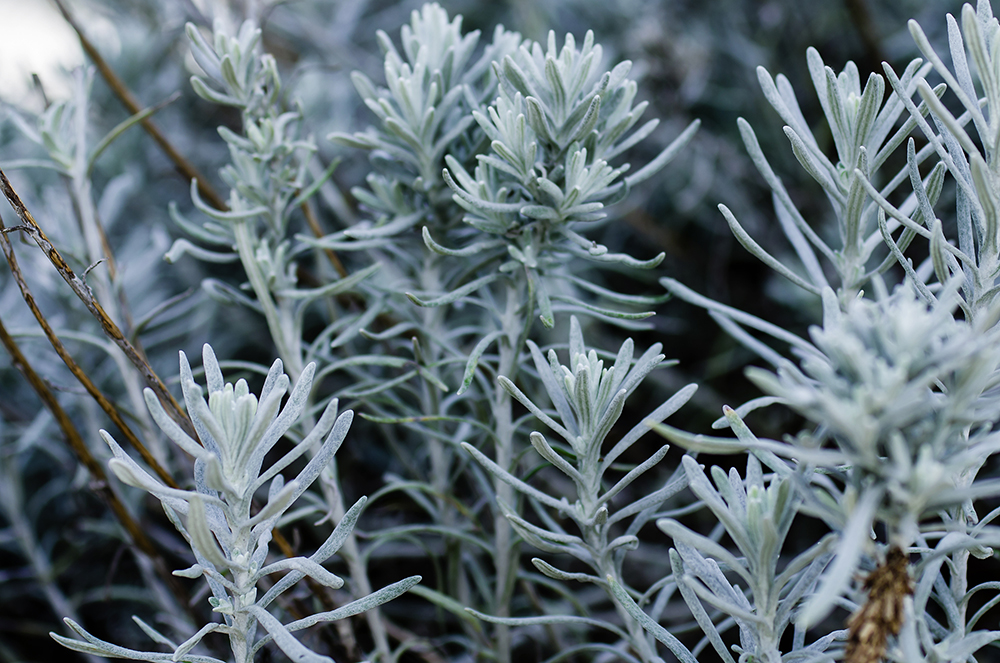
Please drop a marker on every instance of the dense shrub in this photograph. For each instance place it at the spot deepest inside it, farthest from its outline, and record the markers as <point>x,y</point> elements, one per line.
<point>439,423</point>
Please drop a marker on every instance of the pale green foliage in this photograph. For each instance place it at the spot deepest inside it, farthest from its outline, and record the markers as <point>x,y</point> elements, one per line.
<point>492,167</point>
<point>589,400</point>
<point>433,112</point>
<point>758,515</point>
<point>424,109</point>
<point>864,136</point>
<point>896,386</point>
<point>546,172</point>
<point>230,544</point>
<point>899,388</point>
<point>267,175</point>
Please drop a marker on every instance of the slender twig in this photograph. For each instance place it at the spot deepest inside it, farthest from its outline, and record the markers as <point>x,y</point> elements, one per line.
<point>314,226</point>
<point>184,167</point>
<point>82,290</point>
<point>120,90</point>
<point>74,368</point>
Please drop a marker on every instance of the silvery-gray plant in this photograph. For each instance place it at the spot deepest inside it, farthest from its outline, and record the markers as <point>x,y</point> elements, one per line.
<point>901,384</point>
<point>973,166</point>
<point>556,123</point>
<point>269,181</point>
<point>433,112</point>
<point>489,168</point>
<point>229,539</point>
<point>588,400</point>
<point>268,176</point>
<point>757,513</point>
<point>499,224</point>
<point>904,392</point>
<point>865,134</point>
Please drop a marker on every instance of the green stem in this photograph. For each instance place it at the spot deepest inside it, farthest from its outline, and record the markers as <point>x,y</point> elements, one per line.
<point>281,324</point>
<point>441,456</point>
<point>597,538</point>
<point>280,321</point>
<point>351,553</point>
<point>433,324</point>
<point>516,322</point>
<point>637,634</point>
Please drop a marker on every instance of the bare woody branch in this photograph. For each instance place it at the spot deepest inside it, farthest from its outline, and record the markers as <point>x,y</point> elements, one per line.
<point>88,384</point>
<point>82,290</point>
<point>183,166</point>
<point>120,90</point>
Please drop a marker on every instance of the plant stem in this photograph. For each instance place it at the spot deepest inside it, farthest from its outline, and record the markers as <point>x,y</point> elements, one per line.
<point>280,321</point>
<point>515,323</point>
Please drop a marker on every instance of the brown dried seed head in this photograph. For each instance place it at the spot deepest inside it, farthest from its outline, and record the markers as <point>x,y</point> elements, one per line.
<point>882,614</point>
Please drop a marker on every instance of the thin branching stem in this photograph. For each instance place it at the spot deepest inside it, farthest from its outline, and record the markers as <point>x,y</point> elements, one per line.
<point>106,405</point>
<point>82,290</point>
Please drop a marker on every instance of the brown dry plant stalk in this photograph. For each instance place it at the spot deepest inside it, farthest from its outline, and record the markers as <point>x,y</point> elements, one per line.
<point>882,614</point>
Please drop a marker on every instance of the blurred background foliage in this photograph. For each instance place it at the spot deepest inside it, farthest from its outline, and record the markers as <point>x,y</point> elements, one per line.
<point>692,59</point>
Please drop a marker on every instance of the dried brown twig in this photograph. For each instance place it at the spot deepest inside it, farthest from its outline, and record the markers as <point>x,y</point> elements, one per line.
<point>31,228</point>
<point>881,615</point>
<point>314,226</point>
<point>74,368</point>
<point>120,90</point>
